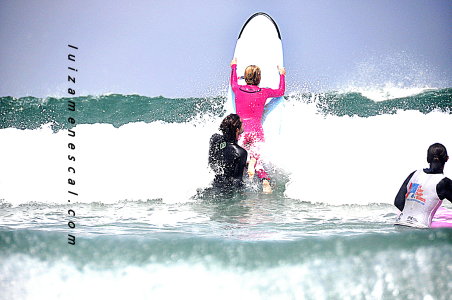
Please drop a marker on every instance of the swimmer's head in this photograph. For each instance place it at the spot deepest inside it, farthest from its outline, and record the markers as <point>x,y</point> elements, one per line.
<point>252,75</point>
<point>437,153</point>
<point>231,127</point>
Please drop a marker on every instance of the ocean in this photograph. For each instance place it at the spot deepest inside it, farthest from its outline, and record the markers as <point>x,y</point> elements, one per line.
<point>111,206</point>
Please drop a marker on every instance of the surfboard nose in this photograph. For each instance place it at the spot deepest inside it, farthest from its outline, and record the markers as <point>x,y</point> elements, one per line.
<point>260,18</point>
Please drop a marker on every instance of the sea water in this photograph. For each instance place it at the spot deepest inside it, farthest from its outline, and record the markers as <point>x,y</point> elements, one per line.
<point>143,228</point>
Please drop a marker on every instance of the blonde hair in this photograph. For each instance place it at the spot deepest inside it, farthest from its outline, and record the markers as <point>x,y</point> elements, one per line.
<point>253,75</point>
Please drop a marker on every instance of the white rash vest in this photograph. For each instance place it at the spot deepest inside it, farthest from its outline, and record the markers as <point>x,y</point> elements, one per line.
<point>421,200</point>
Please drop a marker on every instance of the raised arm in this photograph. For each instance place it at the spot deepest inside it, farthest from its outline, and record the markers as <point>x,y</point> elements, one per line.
<point>234,84</point>
<point>271,93</point>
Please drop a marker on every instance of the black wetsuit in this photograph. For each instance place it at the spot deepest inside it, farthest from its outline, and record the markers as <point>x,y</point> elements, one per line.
<point>228,161</point>
<point>443,188</point>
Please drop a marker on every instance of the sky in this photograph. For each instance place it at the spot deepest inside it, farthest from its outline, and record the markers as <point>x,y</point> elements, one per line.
<point>183,48</point>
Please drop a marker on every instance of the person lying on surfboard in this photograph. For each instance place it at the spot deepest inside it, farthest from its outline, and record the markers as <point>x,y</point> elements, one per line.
<point>226,158</point>
<point>423,192</point>
<point>249,102</point>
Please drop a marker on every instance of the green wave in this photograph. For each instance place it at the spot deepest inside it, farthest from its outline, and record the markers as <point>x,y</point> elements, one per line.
<point>116,109</point>
<point>355,104</point>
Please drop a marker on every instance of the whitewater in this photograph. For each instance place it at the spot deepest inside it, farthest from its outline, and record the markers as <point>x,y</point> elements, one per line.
<point>359,160</point>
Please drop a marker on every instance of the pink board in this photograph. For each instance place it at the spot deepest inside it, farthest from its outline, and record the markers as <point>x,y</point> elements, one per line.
<point>442,218</point>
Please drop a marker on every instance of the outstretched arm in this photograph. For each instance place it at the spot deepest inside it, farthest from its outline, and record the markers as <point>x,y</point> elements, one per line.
<point>234,84</point>
<point>399,201</point>
<point>282,85</point>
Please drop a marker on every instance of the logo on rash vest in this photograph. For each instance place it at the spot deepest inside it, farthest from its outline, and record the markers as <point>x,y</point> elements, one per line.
<point>415,193</point>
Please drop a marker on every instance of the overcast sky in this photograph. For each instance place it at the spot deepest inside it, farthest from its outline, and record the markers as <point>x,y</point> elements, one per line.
<point>183,48</point>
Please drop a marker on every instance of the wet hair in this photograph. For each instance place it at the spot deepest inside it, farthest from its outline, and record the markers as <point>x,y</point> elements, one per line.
<point>229,127</point>
<point>252,75</point>
<point>437,153</point>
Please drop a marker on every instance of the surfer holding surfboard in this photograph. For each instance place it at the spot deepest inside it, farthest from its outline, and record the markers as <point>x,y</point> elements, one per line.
<point>257,96</point>
<point>250,100</point>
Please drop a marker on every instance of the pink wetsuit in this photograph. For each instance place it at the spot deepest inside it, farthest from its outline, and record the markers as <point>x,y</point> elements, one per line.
<point>249,104</point>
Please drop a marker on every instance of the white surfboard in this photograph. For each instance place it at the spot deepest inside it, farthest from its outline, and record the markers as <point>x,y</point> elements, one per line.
<point>259,43</point>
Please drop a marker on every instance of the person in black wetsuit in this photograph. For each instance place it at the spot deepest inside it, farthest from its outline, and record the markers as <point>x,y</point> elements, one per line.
<point>226,158</point>
<point>422,191</point>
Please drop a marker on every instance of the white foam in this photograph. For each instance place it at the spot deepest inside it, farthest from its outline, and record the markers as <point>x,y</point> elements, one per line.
<point>341,160</point>
<point>137,161</point>
<point>330,159</point>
